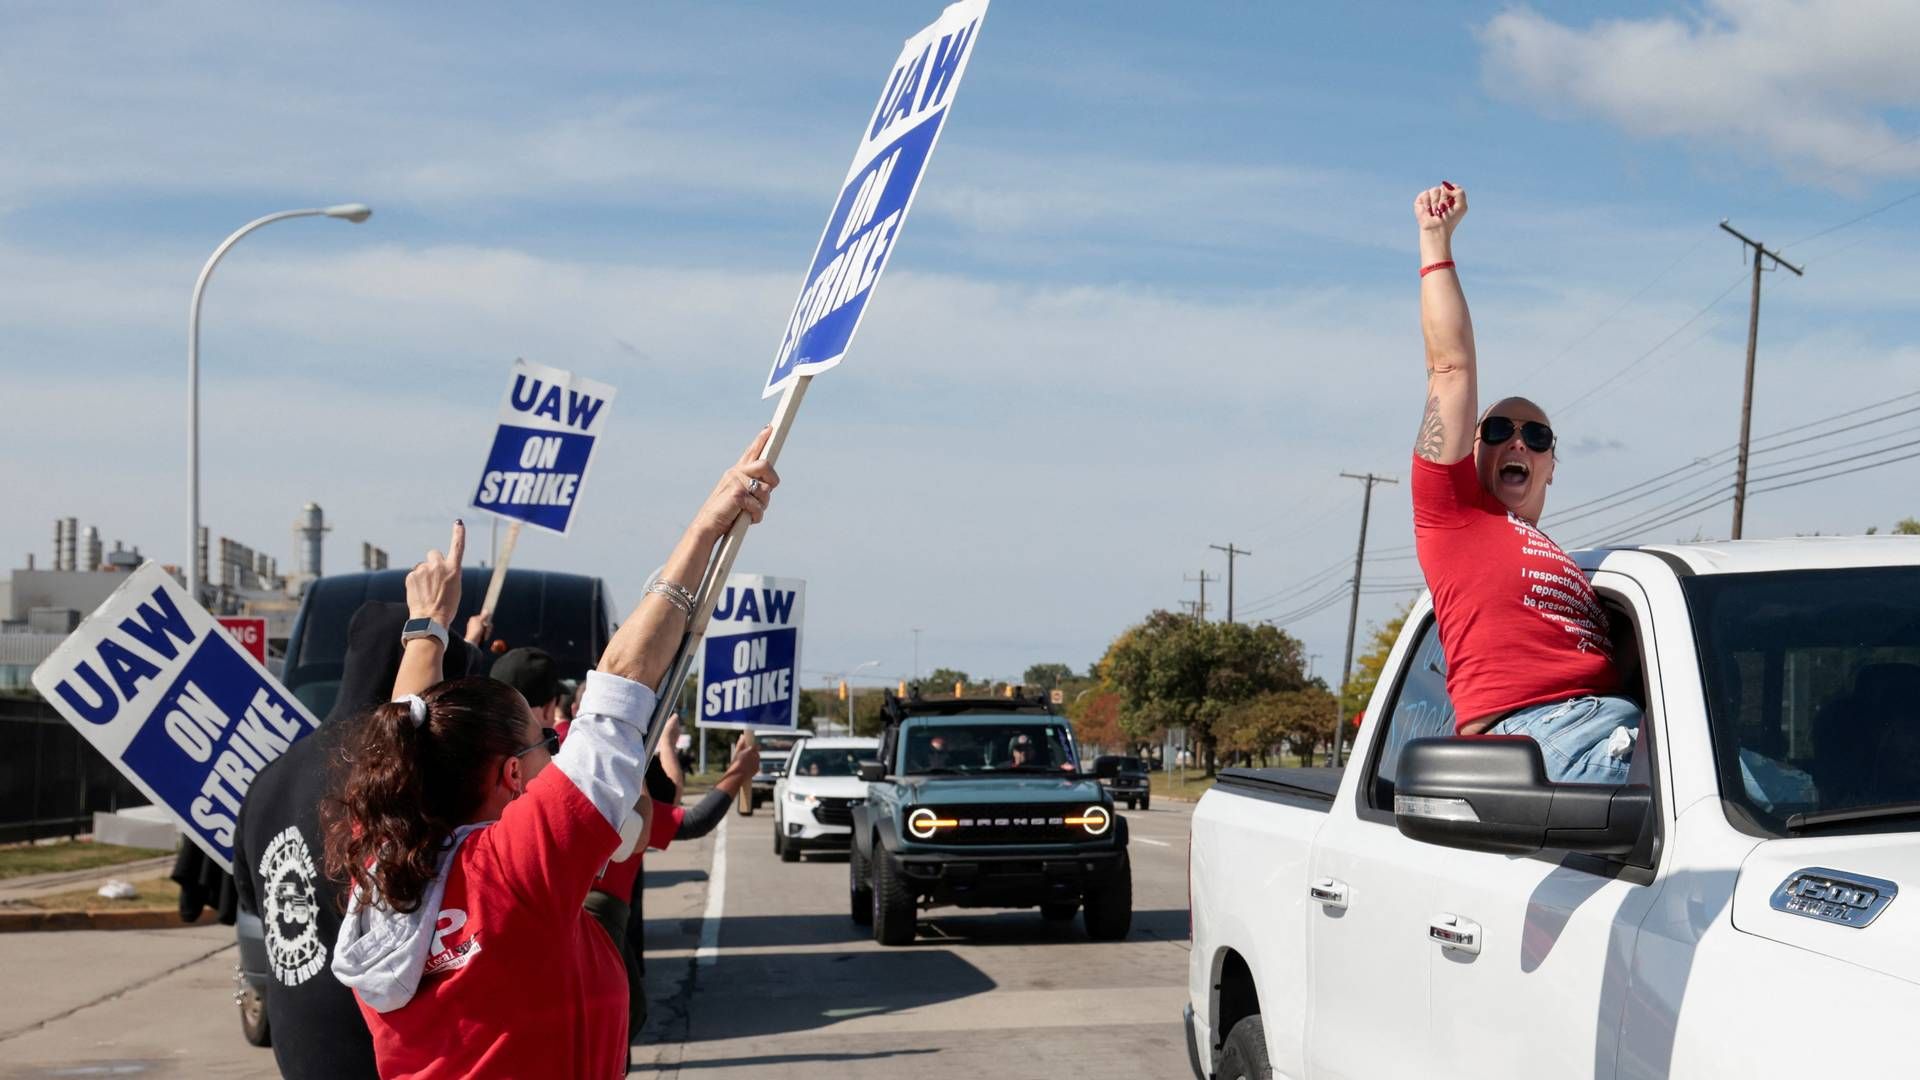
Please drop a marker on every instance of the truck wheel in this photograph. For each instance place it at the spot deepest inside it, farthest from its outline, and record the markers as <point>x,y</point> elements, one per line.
<point>789,851</point>
<point>745,805</point>
<point>859,889</point>
<point>1146,802</point>
<point>779,838</point>
<point>1060,912</point>
<point>1244,1057</point>
<point>1109,905</point>
<point>894,912</point>
<point>253,1016</point>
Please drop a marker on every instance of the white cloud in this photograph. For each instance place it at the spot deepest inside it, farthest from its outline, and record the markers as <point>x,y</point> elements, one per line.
<point>1803,82</point>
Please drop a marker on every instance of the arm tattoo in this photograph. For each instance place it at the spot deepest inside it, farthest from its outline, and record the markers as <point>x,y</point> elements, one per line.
<point>1433,432</point>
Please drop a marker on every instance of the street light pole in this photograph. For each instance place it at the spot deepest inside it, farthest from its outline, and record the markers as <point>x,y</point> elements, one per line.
<point>354,212</point>
<point>847,678</point>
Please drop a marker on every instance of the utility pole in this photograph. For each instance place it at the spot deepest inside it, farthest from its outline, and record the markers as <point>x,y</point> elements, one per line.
<point>916,654</point>
<point>1353,611</point>
<point>1200,611</point>
<point>1760,255</point>
<point>1231,552</point>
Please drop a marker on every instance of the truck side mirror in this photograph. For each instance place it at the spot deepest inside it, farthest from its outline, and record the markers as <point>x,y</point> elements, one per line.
<point>872,771</point>
<point>1491,793</point>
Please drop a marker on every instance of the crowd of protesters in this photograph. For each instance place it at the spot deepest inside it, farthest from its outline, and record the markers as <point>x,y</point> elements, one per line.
<point>471,846</point>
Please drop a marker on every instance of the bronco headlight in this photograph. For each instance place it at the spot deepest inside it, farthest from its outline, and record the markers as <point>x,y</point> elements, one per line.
<point>1094,819</point>
<point>923,823</point>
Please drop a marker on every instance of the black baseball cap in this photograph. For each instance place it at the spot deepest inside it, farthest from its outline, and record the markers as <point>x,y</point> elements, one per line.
<point>530,671</point>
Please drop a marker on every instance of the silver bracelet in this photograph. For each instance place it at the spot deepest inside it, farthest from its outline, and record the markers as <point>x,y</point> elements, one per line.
<point>674,594</point>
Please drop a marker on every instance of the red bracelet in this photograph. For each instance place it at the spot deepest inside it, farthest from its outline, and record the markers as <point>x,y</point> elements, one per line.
<point>1428,269</point>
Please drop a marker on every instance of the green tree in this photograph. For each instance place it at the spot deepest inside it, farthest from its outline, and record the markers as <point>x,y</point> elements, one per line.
<point>1366,669</point>
<point>1173,670</point>
<point>1046,676</point>
<point>1907,527</point>
<point>1298,719</point>
<point>940,682</point>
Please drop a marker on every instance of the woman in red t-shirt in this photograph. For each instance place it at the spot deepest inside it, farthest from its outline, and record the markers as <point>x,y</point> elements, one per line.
<point>467,860</point>
<point>1526,640</point>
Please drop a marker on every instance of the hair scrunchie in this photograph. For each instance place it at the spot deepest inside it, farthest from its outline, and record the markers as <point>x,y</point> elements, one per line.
<point>416,707</point>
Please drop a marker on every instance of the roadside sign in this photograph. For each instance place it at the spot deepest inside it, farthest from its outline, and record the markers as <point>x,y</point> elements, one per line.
<point>864,226</point>
<point>175,703</point>
<point>750,661</point>
<point>1058,697</point>
<point>250,632</point>
<point>549,422</point>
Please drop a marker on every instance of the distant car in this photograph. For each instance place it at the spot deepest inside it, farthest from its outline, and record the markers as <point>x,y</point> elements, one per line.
<point>813,802</point>
<point>775,747</point>
<point>982,803</point>
<point>1125,778</point>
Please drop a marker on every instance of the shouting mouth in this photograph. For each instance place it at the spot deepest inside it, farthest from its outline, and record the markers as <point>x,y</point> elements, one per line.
<point>1513,475</point>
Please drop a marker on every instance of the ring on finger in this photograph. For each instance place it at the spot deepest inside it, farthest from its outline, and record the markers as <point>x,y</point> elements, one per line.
<point>753,485</point>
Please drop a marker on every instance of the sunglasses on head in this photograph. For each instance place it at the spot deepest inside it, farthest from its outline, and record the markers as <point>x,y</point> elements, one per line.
<point>549,738</point>
<point>1498,431</point>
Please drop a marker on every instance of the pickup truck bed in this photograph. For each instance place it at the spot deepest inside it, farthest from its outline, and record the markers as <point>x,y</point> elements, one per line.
<point>1311,789</point>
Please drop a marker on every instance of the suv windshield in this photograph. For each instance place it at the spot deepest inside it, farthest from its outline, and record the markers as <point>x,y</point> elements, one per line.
<point>1015,746</point>
<point>826,761</point>
<point>1813,691</point>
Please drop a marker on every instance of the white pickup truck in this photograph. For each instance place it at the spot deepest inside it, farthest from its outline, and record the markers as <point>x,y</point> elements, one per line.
<point>1440,910</point>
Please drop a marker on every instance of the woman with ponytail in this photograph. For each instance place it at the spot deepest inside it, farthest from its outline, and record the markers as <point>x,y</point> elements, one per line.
<point>467,860</point>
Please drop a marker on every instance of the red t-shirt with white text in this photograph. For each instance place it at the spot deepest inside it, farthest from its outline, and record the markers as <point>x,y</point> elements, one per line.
<point>519,980</point>
<point>1518,621</point>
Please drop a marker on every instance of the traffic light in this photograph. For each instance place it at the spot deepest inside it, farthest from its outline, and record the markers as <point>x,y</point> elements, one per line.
<point>959,688</point>
<point>902,692</point>
<point>843,689</point>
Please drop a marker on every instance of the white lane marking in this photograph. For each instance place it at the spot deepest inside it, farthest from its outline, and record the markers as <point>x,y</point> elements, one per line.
<point>1145,840</point>
<point>709,953</point>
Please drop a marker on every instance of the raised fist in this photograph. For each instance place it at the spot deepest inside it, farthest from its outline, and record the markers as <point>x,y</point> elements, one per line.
<point>1440,209</point>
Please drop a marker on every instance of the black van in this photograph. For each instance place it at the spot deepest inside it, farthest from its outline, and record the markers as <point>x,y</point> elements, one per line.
<point>568,615</point>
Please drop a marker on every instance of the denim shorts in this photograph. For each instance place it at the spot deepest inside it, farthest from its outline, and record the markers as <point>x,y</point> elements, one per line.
<point>1577,737</point>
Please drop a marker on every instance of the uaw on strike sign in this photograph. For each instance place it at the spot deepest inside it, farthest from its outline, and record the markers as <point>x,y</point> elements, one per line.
<point>865,223</point>
<point>750,662</point>
<point>549,422</point>
<point>179,706</point>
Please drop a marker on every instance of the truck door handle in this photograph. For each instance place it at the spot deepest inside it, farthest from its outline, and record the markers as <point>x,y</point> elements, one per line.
<point>1329,892</point>
<point>1454,932</point>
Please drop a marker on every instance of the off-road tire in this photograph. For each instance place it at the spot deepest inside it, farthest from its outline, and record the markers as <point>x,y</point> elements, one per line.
<point>253,1016</point>
<point>1059,912</point>
<point>859,888</point>
<point>895,915</point>
<point>1146,802</point>
<point>1109,904</point>
<point>1244,1056</point>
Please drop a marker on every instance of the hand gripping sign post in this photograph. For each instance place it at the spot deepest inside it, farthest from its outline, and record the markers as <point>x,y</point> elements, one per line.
<point>179,706</point>
<point>750,661</point>
<point>857,244</point>
<point>549,422</point>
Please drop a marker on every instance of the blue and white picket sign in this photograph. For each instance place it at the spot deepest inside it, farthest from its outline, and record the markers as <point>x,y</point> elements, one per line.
<point>549,422</point>
<point>874,199</point>
<point>175,703</point>
<point>750,662</point>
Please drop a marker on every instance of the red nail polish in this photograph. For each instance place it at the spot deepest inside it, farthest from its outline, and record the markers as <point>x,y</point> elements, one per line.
<point>1446,185</point>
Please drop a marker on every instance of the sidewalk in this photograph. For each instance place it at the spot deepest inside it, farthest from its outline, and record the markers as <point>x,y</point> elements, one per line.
<point>34,886</point>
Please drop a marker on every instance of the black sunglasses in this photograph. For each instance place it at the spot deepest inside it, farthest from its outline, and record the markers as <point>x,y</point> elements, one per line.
<point>549,738</point>
<point>1498,431</point>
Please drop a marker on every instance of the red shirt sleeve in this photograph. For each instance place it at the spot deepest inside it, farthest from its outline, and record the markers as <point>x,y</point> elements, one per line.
<point>666,822</point>
<point>1444,495</point>
<point>620,877</point>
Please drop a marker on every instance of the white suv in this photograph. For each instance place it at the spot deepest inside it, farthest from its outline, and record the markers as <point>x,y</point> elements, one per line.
<point>813,800</point>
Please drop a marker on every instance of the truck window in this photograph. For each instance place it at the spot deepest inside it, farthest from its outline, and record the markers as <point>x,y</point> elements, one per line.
<point>1813,695</point>
<point>1421,708</point>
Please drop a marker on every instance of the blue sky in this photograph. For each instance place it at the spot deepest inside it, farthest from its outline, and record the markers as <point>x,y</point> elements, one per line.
<point>1157,292</point>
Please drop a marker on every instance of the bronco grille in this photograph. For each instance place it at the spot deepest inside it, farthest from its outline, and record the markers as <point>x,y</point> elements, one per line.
<point>999,823</point>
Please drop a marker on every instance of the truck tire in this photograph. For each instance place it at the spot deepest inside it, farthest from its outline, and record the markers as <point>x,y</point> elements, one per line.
<point>894,912</point>
<point>1244,1057</point>
<point>1146,802</point>
<point>789,851</point>
<point>1059,912</point>
<point>1109,904</point>
<point>253,1015</point>
<point>859,889</point>
<point>745,806</point>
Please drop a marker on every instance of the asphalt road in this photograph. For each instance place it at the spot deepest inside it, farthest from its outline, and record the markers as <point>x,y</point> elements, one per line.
<point>786,985</point>
<point>793,989</point>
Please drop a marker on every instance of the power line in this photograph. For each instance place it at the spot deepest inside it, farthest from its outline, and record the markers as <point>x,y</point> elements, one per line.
<point>1850,222</point>
<point>1642,358</point>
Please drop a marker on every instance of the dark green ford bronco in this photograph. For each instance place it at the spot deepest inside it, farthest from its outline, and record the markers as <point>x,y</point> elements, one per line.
<point>981,802</point>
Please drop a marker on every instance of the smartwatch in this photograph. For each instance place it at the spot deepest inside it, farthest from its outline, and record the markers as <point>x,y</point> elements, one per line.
<point>423,628</point>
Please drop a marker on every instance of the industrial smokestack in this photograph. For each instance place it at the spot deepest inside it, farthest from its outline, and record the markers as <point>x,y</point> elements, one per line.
<point>94,554</point>
<point>309,531</point>
<point>69,550</point>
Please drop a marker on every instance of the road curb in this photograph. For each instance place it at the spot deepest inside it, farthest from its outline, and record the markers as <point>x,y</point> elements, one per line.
<point>12,922</point>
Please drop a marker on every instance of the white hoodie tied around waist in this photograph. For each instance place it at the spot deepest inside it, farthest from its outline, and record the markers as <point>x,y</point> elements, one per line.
<point>381,953</point>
